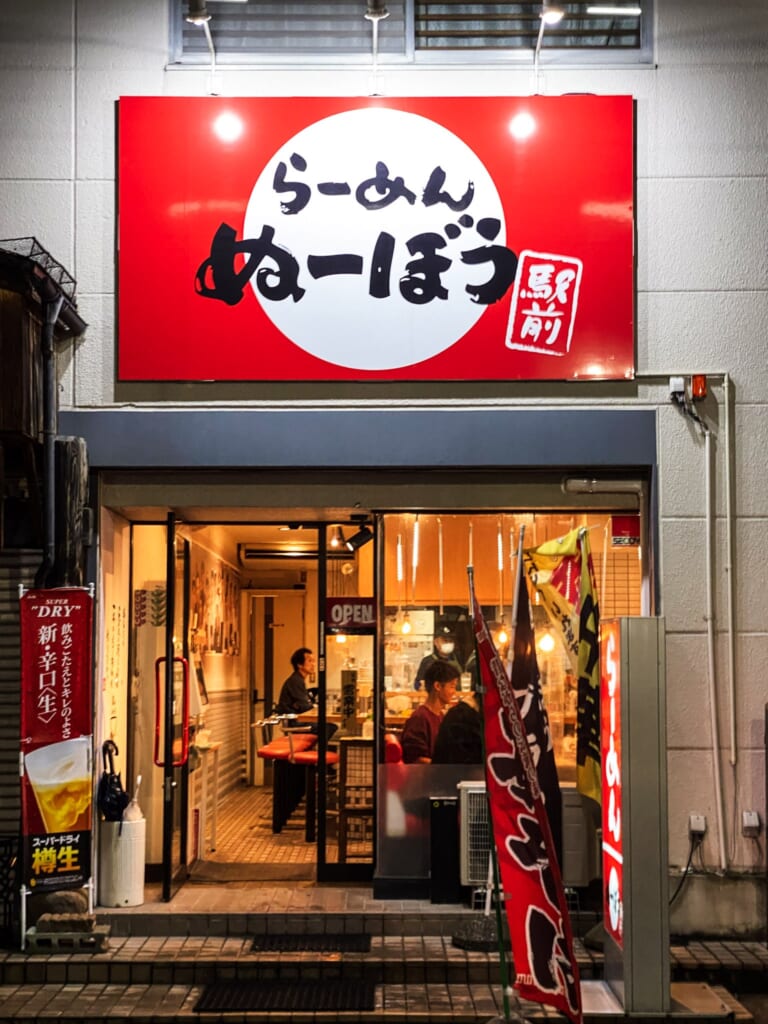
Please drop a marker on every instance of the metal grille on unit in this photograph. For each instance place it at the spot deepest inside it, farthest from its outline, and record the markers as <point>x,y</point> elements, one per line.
<point>475,838</point>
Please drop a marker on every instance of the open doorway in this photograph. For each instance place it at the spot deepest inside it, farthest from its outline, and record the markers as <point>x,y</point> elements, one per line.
<point>256,798</point>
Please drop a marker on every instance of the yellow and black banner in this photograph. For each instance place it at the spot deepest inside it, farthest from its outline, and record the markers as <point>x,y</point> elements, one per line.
<point>561,572</point>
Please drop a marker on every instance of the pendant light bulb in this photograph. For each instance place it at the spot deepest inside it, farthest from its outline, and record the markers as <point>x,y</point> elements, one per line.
<point>551,14</point>
<point>546,642</point>
<point>503,636</point>
<point>406,627</point>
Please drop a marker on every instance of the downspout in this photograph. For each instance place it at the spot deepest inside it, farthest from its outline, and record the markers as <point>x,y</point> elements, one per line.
<point>711,665</point>
<point>729,567</point>
<point>51,310</point>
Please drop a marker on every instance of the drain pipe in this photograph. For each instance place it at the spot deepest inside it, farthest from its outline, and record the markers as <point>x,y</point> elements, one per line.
<point>686,407</point>
<point>711,670</point>
<point>729,568</point>
<point>51,310</point>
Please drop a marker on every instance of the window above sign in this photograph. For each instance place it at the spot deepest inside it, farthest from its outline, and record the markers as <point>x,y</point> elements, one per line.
<point>250,32</point>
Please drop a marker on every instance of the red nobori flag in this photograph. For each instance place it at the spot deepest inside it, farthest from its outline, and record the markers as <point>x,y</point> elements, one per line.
<point>539,926</point>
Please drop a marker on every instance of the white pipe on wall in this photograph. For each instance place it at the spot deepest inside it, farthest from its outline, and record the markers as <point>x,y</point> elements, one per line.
<point>729,565</point>
<point>711,676</point>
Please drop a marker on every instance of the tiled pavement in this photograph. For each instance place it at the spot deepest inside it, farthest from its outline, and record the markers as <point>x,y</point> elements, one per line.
<point>161,955</point>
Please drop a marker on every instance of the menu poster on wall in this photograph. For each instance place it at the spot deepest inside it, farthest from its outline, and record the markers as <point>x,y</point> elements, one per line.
<point>56,737</point>
<point>376,238</point>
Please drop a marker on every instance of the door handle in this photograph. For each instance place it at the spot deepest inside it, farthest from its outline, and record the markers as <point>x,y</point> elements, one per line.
<point>184,713</point>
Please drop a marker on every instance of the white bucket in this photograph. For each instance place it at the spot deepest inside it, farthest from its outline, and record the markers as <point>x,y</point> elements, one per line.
<point>121,863</point>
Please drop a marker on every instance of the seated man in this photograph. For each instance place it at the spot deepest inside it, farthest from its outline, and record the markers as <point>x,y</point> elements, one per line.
<point>294,699</point>
<point>420,730</point>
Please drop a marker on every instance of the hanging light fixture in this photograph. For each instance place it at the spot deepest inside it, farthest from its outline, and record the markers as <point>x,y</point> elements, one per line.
<point>376,10</point>
<point>337,537</point>
<point>406,627</point>
<point>546,642</point>
<point>197,13</point>
<point>414,557</point>
<point>440,560</point>
<point>357,540</point>
<point>551,13</point>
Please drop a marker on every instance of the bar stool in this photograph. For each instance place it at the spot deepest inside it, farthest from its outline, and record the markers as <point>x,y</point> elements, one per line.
<point>289,779</point>
<point>309,759</point>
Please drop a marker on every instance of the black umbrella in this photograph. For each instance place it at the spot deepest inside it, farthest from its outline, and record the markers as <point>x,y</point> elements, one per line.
<point>111,798</point>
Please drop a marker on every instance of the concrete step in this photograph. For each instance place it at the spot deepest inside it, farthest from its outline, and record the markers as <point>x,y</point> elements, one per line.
<point>424,1004</point>
<point>197,960</point>
<point>152,922</point>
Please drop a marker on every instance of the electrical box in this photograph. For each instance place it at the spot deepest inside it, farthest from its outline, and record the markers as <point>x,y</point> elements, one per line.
<point>750,824</point>
<point>697,825</point>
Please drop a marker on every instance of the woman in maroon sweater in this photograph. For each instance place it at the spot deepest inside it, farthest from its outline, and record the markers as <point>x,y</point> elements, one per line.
<point>420,731</point>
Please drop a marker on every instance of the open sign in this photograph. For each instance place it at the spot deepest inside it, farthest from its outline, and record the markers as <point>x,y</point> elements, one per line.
<point>350,615</point>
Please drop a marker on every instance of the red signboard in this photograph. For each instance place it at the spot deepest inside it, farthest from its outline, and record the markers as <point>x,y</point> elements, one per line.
<point>56,737</point>
<point>376,238</point>
<point>610,751</point>
<point>625,531</point>
<point>350,615</point>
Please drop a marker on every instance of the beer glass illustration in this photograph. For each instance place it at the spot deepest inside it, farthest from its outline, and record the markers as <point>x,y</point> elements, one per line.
<point>61,783</point>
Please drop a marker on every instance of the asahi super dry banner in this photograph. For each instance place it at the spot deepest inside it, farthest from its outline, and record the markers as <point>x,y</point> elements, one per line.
<point>56,736</point>
<point>376,238</point>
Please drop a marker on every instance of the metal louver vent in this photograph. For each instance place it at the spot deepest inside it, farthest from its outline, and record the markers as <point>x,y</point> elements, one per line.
<point>257,31</point>
<point>475,837</point>
<point>244,32</point>
<point>457,25</point>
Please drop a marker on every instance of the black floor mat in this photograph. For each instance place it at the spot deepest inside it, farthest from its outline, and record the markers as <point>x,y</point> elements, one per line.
<point>326,942</point>
<point>329,995</point>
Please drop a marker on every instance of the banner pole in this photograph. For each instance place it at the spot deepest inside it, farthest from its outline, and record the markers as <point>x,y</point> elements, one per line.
<point>516,585</point>
<point>493,866</point>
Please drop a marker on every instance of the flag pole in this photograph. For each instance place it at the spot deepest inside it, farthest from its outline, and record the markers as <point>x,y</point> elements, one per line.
<point>493,864</point>
<point>516,582</point>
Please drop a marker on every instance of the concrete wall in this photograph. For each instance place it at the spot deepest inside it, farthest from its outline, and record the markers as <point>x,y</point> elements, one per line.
<point>702,215</point>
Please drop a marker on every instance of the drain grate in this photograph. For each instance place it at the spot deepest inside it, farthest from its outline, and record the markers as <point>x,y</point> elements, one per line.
<point>329,995</point>
<point>325,942</point>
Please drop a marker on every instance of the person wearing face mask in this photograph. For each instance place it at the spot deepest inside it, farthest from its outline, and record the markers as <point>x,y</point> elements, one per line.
<point>443,650</point>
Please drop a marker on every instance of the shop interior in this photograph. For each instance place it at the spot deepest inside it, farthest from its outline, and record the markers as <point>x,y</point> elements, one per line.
<point>246,596</point>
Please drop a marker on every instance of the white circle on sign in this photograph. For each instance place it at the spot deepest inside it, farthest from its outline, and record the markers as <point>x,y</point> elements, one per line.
<point>337,318</point>
<point>614,899</point>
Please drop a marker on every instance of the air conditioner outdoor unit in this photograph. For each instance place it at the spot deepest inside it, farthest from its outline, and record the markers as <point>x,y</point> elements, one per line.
<point>475,837</point>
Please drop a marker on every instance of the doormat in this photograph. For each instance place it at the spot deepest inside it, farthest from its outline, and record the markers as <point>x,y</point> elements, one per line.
<point>343,942</point>
<point>332,995</point>
<point>207,871</point>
